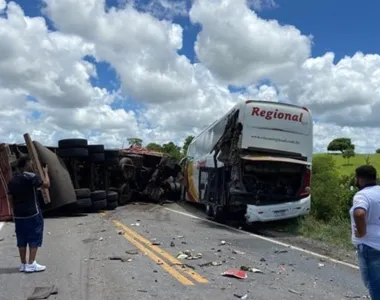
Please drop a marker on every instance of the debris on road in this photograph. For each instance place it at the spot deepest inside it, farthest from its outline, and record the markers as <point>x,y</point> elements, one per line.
<point>43,292</point>
<point>295,292</point>
<point>235,273</point>
<point>120,258</point>
<point>172,244</point>
<point>100,239</point>
<point>135,224</point>
<point>320,265</point>
<point>280,251</point>
<point>238,252</point>
<point>222,243</point>
<point>212,263</point>
<point>132,252</point>
<point>243,297</point>
<point>188,255</point>
<point>120,232</point>
<point>250,269</point>
<point>1,239</point>
<point>184,266</point>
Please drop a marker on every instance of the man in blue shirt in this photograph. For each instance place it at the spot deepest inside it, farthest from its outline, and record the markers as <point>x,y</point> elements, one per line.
<point>29,223</point>
<point>365,224</point>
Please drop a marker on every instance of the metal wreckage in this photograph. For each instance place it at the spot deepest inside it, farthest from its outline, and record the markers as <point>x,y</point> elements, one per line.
<point>88,177</point>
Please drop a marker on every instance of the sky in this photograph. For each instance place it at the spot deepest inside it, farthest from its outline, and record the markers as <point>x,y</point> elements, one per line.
<point>161,70</point>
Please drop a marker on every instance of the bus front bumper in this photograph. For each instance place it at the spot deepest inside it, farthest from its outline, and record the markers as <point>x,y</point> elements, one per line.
<point>267,213</point>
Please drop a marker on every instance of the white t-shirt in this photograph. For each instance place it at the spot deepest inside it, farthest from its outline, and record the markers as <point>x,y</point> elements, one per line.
<point>369,199</point>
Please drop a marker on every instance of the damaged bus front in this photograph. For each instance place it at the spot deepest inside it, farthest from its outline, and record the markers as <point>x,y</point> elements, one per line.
<point>253,164</point>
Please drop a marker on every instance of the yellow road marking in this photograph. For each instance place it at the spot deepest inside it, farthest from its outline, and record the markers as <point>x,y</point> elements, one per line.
<point>132,239</point>
<point>175,262</point>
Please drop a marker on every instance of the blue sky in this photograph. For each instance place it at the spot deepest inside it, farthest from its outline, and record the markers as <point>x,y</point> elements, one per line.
<point>342,29</point>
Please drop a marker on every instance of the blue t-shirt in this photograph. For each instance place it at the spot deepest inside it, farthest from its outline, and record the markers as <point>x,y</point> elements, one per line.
<point>23,189</point>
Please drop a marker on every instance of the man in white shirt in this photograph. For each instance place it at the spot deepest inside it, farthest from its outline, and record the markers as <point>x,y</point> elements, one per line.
<point>365,224</point>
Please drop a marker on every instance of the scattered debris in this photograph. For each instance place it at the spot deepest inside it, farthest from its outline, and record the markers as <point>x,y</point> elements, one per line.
<point>235,273</point>
<point>241,296</point>
<point>142,291</point>
<point>43,292</point>
<point>155,243</point>
<point>294,292</point>
<point>120,258</point>
<point>120,232</point>
<point>49,233</point>
<point>188,255</point>
<point>180,236</point>
<point>281,251</point>
<point>172,244</point>
<point>238,252</point>
<point>132,252</point>
<point>87,241</point>
<point>135,224</point>
<point>263,259</point>
<point>252,270</point>
<point>212,263</point>
<point>354,297</point>
<point>100,239</point>
<point>1,239</point>
<point>184,266</point>
<point>320,265</point>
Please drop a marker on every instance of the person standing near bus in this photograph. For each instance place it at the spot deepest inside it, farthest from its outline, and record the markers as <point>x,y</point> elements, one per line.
<point>365,224</point>
<point>28,219</point>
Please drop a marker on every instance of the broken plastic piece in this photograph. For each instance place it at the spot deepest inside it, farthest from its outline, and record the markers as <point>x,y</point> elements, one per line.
<point>235,273</point>
<point>241,297</point>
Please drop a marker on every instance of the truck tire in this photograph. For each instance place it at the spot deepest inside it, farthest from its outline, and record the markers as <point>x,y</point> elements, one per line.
<point>97,157</point>
<point>72,152</point>
<point>112,205</point>
<point>98,195</point>
<point>83,203</point>
<point>72,143</point>
<point>83,193</point>
<point>99,205</point>
<point>95,148</point>
<point>112,197</point>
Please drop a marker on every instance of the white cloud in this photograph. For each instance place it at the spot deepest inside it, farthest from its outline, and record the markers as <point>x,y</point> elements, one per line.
<point>178,98</point>
<point>240,48</point>
<point>259,5</point>
<point>345,93</point>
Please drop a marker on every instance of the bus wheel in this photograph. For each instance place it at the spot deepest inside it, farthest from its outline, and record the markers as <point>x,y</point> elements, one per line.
<point>210,211</point>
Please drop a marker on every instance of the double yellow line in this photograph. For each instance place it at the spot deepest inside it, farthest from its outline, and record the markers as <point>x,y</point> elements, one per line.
<point>170,264</point>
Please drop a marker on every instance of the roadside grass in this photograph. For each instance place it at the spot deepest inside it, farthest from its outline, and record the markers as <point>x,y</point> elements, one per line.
<point>347,167</point>
<point>336,232</point>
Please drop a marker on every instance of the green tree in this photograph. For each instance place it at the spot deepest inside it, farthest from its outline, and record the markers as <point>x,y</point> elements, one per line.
<point>135,142</point>
<point>378,150</point>
<point>340,144</point>
<point>347,154</point>
<point>154,147</point>
<point>186,144</point>
<point>172,150</point>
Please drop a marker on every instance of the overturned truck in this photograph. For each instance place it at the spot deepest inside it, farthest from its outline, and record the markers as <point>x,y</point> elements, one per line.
<point>88,177</point>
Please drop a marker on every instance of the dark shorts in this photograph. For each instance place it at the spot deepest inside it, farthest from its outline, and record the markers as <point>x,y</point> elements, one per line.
<point>29,231</point>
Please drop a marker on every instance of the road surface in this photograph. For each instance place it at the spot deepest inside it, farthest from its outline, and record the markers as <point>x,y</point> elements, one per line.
<point>77,252</point>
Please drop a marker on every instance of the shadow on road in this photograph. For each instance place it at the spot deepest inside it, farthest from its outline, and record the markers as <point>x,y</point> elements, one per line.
<point>9,270</point>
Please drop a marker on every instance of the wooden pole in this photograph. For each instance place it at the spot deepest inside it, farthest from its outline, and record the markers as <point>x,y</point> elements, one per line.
<point>36,165</point>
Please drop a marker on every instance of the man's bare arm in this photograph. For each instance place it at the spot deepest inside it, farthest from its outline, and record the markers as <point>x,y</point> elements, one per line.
<point>360,222</point>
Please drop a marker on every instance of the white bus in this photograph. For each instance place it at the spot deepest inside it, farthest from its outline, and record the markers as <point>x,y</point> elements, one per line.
<point>253,164</point>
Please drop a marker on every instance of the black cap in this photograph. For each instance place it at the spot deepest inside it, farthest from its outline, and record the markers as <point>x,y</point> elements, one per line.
<point>22,161</point>
<point>367,172</point>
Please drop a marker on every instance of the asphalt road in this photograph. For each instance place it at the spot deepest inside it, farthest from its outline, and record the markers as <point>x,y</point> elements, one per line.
<point>76,252</point>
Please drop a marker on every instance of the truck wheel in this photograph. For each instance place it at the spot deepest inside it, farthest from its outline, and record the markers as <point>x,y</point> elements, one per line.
<point>83,203</point>
<point>72,143</point>
<point>72,152</point>
<point>112,197</point>
<point>99,205</point>
<point>209,210</point>
<point>96,148</point>
<point>83,193</point>
<point>97,157</point>
<point>98,195</point>
<point>112,205</point>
